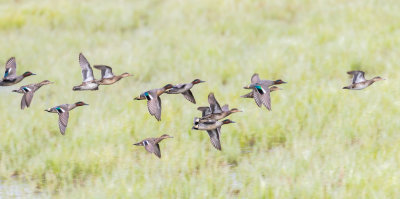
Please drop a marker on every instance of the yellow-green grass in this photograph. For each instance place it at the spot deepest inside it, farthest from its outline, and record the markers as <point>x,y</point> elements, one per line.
<point>319,141</point>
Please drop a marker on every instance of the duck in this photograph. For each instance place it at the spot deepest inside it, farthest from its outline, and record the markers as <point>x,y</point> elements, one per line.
<point>151,144</point>
<point>10,75</point>
<point>359,82</point>
<point>63,114</point>
<point>213,129</point>
<point>184,89</point>
<point>261,91</point>
<point>251,95</point>
<point>28,91</point>
<point>89,83</point>
<point>107,76</point>
<point>154,100</point>
<point>215,111</point>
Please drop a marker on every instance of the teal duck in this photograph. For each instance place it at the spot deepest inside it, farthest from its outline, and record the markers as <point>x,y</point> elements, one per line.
<point>261,91</point>
<point>154,100</point>
<point>151,144</point>
<point>63,114</point>
<point>359,82</point>
<point>89,83</point>
<point>107,76</point>
<point>215,111</point>
<point>251,95</point>
<point>213,129</point>
<point>184,89</point>
<point>28,91</point>
<point>10,75</point>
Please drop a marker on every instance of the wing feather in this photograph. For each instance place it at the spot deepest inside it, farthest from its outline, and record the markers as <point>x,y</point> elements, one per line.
<point>87,72</point>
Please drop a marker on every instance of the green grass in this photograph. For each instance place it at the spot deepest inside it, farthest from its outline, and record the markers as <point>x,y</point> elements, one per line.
<point>319,141</point>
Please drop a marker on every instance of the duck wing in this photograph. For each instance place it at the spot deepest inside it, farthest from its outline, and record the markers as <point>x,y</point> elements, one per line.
<point>214,105</point>
<point>63,119</point>
<point>205,110</point>
<point>358,76</point>
<point>153,148</point>
<point>11,69</point>
<point>87,72</point>
<point>106,71</point>
<point>225,108</point>
<point>189,96</point>
<point>257,98</point>
<point>214,137</point>
<point>263,95</point>
<point>255,78</point>
<point>27,99</point>
<point>248,95</point>
<point>154,105</point>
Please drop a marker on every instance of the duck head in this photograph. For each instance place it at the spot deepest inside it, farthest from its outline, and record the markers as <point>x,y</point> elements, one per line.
<point>375,79</point>
<point>235,110</point>
<point>166,136</point>
<point>197,81</point>
<point>81,103</point>
<point>227,121</point>
<point>27,74</point>
<point>279,81</point>
<point>126,75</point>
<point>45,82</point>
<point>168,86</point>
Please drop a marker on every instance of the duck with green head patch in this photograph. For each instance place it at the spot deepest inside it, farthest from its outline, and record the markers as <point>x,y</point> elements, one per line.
<point>10,75</point>
<point>154,100</point>
<point>63,113</point>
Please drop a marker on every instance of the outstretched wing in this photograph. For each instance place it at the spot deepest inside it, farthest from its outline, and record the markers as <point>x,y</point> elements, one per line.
<point>214,105</point>
<point>225,108</point>
<point>63,121</point>
<point>257,98</point>
<point>153,148</point>
<point>189,96</point>
<point>11,68</point>
<point>265,97</point>
<point>214,137</point>
<point>358,76</point>
<point>255,78</point>
<point>154,105</point>
<point>106,71</point>
<point>87,72</point>
<point>26,99</point>
<point>204,110</point>
<point>248,95</point>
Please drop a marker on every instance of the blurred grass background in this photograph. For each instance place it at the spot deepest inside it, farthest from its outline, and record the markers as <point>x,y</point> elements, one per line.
<point>319,141</point>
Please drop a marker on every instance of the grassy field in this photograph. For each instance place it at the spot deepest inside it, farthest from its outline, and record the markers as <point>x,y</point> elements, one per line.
<point>319,141</point>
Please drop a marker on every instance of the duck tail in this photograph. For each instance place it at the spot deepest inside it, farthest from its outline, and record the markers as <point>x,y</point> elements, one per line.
<point>346,87</point>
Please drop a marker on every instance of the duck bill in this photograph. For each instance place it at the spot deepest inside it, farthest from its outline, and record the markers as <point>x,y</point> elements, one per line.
<point>137,144</point>
<point>84,104</point>
<point>201,81</point>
